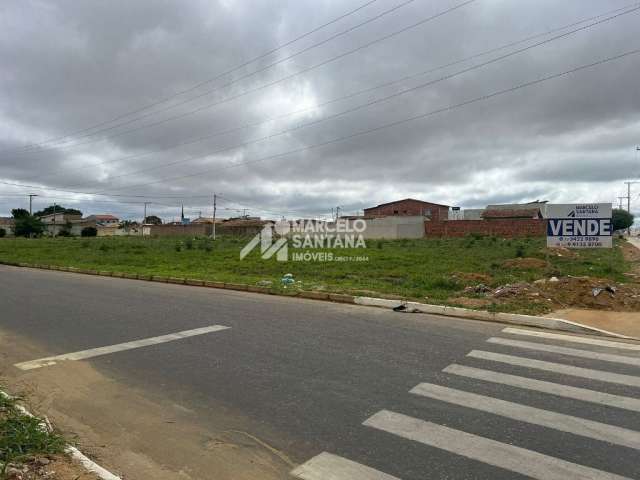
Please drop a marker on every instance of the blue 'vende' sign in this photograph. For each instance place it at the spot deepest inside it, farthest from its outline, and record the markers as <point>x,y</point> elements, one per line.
<point>579,225</point>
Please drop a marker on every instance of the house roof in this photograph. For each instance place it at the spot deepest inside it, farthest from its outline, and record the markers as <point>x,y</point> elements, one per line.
<point>513,213</point>
<point>103,217</point>
<point>6,221</point>
<point>408,199</point>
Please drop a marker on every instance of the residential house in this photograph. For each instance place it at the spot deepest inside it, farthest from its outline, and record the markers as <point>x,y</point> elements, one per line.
<point>7,224</point>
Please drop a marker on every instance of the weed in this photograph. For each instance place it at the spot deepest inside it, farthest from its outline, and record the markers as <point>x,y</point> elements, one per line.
<point>520,251</point>
<point>103,247</point>
<point>188,243</point>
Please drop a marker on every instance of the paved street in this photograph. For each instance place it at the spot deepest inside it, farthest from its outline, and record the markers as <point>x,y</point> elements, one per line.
<point>346,392</point>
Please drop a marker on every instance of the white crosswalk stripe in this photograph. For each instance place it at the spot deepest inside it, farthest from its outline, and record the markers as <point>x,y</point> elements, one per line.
<point>557,389</point>
<point>491,451</point>
<point>605,357</point>
<point>574,339</point>
<point>509,457</point>
<point>535,416</point>
<point>588,373</point>
<point>327,466</point>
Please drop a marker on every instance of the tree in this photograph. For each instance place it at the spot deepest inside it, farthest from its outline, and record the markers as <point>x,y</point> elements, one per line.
<point>89,232</point>
<point>27,226</point>
<point>19,213</point>
<point>153,220</point>
<point>621,219</point>
<point>3,232</point>
<point>57,209</point>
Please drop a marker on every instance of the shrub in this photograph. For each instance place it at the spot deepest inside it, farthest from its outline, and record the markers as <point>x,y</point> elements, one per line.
<point>188,243</point>
<point>520,251</point>
<point>89,232</point>
<point>3,232</point>
<point>178,246</point>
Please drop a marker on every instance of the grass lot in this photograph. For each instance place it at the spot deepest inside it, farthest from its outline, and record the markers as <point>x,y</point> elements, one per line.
<point>22,437</point>
<point>438,269</point>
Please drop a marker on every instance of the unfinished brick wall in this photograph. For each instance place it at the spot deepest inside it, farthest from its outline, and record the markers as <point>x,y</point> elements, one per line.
<point>508,228</point>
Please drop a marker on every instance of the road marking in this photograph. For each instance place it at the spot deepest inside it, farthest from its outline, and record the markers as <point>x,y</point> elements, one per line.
<point>96,352</point>
<point>600,375</point>
<point>569,338</point>
<point>536,416</point>
<point>574,352</point>
<point>516,459</point>
<point>327,466</point>
<point>583,394</point>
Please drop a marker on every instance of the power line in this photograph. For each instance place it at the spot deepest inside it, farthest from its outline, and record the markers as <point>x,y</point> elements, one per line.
<point>371,103</point>
<point>344,97</point>
<point>270,84</point>
<point>375,129</point>
<point>403,121</point>
<point>209,80</point>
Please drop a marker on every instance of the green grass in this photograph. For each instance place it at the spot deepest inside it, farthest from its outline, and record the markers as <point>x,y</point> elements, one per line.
<point>22,436</point>
<point>409,268</point>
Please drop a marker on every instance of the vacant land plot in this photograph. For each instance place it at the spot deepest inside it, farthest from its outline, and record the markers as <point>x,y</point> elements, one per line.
<point>471,271</point>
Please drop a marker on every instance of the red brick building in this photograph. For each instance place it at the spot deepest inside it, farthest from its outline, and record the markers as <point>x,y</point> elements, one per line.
<point>409,207</point>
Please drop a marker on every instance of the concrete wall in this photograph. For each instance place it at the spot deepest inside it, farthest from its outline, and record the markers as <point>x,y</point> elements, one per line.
<point>394,227</point>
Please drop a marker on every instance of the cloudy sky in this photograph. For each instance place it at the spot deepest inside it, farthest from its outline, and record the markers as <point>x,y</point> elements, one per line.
<point>106,105</point>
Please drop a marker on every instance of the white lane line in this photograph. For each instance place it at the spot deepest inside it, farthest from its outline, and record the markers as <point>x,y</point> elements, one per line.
<point>327,466</point>
<point>535,416</point>
<point>599,375</point>
<point>574,352</point>
<point>96,352</point>
<point>583,394</point>
<point>516,459</point>
<point>570,338</point>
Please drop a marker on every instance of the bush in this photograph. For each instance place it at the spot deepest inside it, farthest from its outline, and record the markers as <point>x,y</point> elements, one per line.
<point>178,246</point>
<point>188,243</point>
<point>621,219</point>
<point>89,232</point>
<point>520,251</point>
<point>3,232</point>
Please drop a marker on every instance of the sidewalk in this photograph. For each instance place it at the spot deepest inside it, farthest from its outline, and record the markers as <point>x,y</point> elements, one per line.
<point>624,323</point>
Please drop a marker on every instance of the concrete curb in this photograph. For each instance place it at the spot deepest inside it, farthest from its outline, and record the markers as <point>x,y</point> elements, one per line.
<point>510,318</point>
<point>88,464</point>
<point>412,307</point>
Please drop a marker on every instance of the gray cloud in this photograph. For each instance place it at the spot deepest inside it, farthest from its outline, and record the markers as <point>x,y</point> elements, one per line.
<point>69,65</point>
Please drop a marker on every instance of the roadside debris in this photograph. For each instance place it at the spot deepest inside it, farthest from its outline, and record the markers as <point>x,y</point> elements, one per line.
<point>288,279</point>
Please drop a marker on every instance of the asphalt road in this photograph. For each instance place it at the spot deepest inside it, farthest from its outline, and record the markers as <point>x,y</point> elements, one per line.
<point>317,377</point>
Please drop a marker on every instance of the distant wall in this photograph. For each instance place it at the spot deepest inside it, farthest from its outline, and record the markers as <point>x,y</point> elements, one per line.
<point>191,230</point>
<point>394,227</point>
<point>508,228</point>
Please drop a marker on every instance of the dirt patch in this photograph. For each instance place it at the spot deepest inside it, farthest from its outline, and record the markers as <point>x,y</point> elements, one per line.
<point>471,277</point>
<point>467,302</point>
<point>560,252</point>
<point>49,468</point>
<point>135,433</point>
<point>624,323</point>
<point>526,263</point>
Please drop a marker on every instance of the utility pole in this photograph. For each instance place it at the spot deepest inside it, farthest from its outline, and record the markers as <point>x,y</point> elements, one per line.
<point>337,213</point>
<point>620,202</point>
<point>54,219</point>
<point>144,219</point>
<point>31,195</point>
<point>628,184</point>
<point>215,201</point>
